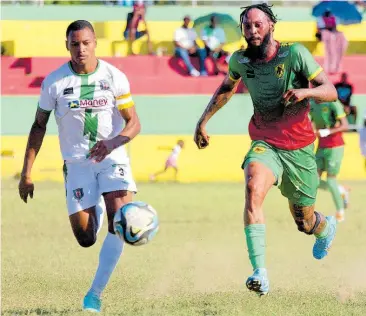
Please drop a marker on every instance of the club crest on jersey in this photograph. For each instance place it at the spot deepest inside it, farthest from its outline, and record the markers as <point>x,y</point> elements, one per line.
<point>104,85</point>
<point>259,150</point>
<point>280,70</point>
<point>78,194</point>
<point>325,110</point>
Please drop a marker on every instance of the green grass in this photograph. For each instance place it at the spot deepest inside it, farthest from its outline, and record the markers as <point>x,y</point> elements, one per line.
<point>196,265</point>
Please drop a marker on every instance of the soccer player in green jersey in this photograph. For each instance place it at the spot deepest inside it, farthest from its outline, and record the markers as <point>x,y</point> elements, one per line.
<point>330,121</point>
<point>277,76</point>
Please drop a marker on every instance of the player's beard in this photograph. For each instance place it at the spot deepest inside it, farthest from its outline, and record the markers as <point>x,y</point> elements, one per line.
<point>258,52</point>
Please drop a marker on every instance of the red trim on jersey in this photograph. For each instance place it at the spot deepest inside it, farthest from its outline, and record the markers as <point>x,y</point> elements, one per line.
<point>333,140</point>
<point>290,133</point>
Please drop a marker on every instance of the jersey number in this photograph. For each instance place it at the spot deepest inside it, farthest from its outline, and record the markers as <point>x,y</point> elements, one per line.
<point>91,127</point>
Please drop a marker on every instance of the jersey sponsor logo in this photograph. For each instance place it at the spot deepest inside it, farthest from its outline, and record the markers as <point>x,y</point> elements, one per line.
<point>68,91</point>
<point>283,55</point>
<point>250,73</point>
<point>104,85</point>
<point>280,70</point>
<point>259,150</point>
<point>244,60</point>
<point>78,194</point>
<point>76,104</point>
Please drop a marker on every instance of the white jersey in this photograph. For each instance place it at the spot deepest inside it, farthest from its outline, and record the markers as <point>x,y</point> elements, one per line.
<point>363,141</point>
<point>86,106</point>
<point>175,152</point>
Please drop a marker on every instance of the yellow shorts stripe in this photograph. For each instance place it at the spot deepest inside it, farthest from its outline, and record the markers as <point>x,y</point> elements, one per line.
<point>233,79</point>
<point>317,72</point>
<point>123,96</point>
<point>126,105</point>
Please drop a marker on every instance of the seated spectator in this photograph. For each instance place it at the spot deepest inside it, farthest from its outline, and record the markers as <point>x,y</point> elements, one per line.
<point>131,32</point>
<point>345,91</point>
<point>214,38</point>
<point>186,46</point>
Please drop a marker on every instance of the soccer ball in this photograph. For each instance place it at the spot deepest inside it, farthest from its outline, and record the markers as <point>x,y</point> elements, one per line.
<point>136,223</point>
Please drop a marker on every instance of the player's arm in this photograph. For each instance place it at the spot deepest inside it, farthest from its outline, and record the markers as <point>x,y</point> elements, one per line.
<point>222,95</point>
<point>35,140</point>
<point>132,127</point>
<point>324,90</point>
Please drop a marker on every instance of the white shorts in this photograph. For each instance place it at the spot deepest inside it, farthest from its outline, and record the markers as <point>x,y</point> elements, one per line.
<point>86,181</point>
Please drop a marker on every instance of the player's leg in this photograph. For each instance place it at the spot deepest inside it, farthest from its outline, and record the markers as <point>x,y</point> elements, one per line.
<point>81,197</point>
<point>153,176</point>
<point>262,170</point>
<point>175,173</point>
<point>299,184</point>
<point>117,186</point>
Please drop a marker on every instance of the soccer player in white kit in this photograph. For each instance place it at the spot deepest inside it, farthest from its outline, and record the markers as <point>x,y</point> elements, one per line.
<point>91,99</point>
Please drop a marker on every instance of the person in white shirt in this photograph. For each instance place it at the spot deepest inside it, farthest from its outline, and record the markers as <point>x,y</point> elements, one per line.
<point>91,100</point>
<point>172,160</point>
<point>214,38</point>
<point>186,46</point>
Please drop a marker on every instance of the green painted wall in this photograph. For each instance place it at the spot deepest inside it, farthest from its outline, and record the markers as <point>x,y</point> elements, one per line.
<point>154,13</point>
<point>158,114</point>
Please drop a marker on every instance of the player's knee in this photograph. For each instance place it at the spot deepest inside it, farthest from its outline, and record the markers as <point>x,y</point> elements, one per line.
<point>85,240</point>
<point>254,192</point>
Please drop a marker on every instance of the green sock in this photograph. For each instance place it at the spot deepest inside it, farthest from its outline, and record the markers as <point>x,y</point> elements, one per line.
<point>334,189</point>
<point>323,185</point>
<point>255,235</point>
<point>324,232</point>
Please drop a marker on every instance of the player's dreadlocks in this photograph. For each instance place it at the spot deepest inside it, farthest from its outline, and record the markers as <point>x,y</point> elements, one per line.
<point>261,6</point>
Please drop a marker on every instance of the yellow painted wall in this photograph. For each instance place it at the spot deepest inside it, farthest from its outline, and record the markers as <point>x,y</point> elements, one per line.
<point>46,38</point>
<point>220,162</point>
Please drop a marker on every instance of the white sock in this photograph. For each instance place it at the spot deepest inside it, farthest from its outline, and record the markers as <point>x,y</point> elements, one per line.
<point>340,211</point>
<point>109,254</point>
<point>99,210</point>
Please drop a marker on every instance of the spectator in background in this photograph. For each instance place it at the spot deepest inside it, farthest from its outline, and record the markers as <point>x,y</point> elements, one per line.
<point>214,38</point>
<point>186,46</point>
<point>131,32</point>
<point>345,91</point>
<point>334,41</point>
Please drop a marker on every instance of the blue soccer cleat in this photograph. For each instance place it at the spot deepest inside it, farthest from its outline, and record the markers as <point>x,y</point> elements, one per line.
<point>258,282</point>
<point>92,303</point>
<point>322,245</point>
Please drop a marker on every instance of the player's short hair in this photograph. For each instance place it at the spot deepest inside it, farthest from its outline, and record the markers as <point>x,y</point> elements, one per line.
<point>264,7</point>
<point>79,25</point>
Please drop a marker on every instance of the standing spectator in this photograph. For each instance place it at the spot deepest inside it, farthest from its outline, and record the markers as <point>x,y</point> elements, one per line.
<point>345,91</point>
<point>131,32</point>
<point>186,46</point>
<point>214,38</point>
<point>363,139</point>
<point>335,42</point>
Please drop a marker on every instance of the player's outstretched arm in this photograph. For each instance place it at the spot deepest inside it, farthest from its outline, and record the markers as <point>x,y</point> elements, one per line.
<point>132,128</point>
<point>218,100</point>
<point>34,144</point>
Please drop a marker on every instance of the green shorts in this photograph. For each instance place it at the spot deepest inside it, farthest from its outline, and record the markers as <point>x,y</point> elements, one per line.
<point>295,170</point>
<point>329,159</point>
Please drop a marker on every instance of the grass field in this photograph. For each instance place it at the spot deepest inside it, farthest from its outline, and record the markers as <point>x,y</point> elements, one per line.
<point>196,265</point>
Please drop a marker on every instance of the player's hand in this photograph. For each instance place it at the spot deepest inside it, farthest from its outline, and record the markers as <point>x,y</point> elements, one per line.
<point>294,96</point>
<point>200,137</point>
<point>324,132</point>
<point>25,187</point>
<point>101,149</point>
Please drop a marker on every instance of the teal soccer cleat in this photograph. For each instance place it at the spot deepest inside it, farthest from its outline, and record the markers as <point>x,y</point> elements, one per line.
<point>322,245</point>
<point>92,303</point>
<point>258,282</point>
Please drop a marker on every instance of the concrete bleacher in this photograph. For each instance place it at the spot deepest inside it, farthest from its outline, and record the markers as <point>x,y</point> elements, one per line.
<point>147,75</point>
